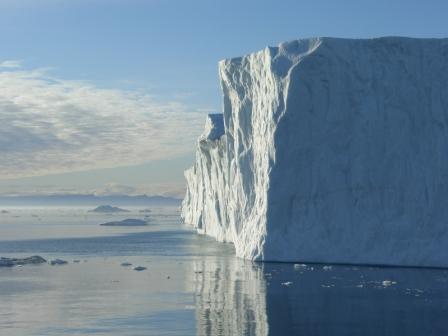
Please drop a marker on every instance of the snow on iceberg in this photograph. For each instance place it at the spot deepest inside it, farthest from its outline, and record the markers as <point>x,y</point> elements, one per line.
<point>333,150</point>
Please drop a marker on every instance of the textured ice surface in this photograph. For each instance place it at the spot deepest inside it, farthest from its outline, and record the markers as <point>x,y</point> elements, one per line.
<point>214,127</point>
<point>334,150</point>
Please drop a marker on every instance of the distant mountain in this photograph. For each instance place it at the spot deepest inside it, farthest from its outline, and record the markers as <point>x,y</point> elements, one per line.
<point>68,200</point>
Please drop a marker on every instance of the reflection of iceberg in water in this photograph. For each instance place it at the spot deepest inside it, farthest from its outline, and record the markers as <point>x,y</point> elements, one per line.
<point>230,298</point>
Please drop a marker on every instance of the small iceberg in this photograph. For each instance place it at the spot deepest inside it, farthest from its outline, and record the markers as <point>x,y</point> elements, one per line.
<point>10,262</point>
<point>57,262</point>
<point>300,266</point>
<point>108,209</point>
<point>139,268</point>
<point>126,222</point>
<point>387,283</point>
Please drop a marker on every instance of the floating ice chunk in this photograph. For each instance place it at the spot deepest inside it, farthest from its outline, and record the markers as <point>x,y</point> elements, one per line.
<point>57,262</point>
<point>287,283</point>
<point>327,268</point>
<point>139,268</point>
<point>9,262</point>
<point>387,283</point>
<point>300,266</point>
<point>127,222</point>
<point>414,291</point>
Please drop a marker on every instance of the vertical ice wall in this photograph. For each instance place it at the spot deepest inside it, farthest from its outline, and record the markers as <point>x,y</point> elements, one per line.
<point>333,150</point>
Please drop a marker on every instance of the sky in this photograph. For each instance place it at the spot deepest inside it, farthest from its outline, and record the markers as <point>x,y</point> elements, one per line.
<point>109,96</point>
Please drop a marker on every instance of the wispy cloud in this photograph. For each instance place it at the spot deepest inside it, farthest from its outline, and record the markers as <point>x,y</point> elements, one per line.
<point>110,189</point>
<point>11,64</point>
<point>49,125</point>
<point>163,189</point>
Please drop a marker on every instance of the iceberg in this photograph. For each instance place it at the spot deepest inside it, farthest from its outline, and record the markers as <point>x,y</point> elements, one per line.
<point>57,261</point>
<point>108,209</point>
<point>10,262</point>
<point>127,222</point>
<point>328,150</point>
<point>139,268</point>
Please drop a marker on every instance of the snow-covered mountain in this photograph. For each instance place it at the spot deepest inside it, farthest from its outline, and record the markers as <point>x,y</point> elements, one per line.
<point>332,150</point>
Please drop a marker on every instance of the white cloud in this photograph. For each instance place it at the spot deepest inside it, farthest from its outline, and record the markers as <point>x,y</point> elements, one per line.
<point>110,189</point>
<point>163,189</point>
<point>11,64</point>
<point>48,125</point>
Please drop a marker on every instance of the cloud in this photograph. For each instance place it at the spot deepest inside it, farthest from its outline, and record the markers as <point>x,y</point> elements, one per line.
<point>11,64</point>
<point>110,189</point>
<point>49,125</point>
<point>163,189</point>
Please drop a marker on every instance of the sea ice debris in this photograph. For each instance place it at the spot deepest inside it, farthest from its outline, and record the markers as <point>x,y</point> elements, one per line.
<point>139,268</point>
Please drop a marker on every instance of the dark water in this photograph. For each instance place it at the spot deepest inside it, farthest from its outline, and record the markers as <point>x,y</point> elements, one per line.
<point>195,286</point>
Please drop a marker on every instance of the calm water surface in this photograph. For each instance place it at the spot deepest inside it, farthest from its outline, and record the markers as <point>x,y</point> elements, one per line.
<point>193,285</point>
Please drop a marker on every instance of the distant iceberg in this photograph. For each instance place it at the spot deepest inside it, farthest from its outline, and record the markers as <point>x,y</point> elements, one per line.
<point>127,222</point>
<point>57,261</point>
<point>329,150</point>
<point>10,262</point>
<point>108,209</point>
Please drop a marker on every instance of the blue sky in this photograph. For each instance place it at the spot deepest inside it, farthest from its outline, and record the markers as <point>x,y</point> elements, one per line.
<point>156,61</point>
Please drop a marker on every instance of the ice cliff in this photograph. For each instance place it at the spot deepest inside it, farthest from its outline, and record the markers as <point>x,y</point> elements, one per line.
<point>329,150</point>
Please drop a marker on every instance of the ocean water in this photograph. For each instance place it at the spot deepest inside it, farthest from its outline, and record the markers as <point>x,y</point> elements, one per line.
<point>194,285</point>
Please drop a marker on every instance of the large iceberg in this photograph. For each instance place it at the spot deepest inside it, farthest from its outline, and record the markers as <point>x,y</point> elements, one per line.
<point>329,150</point>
